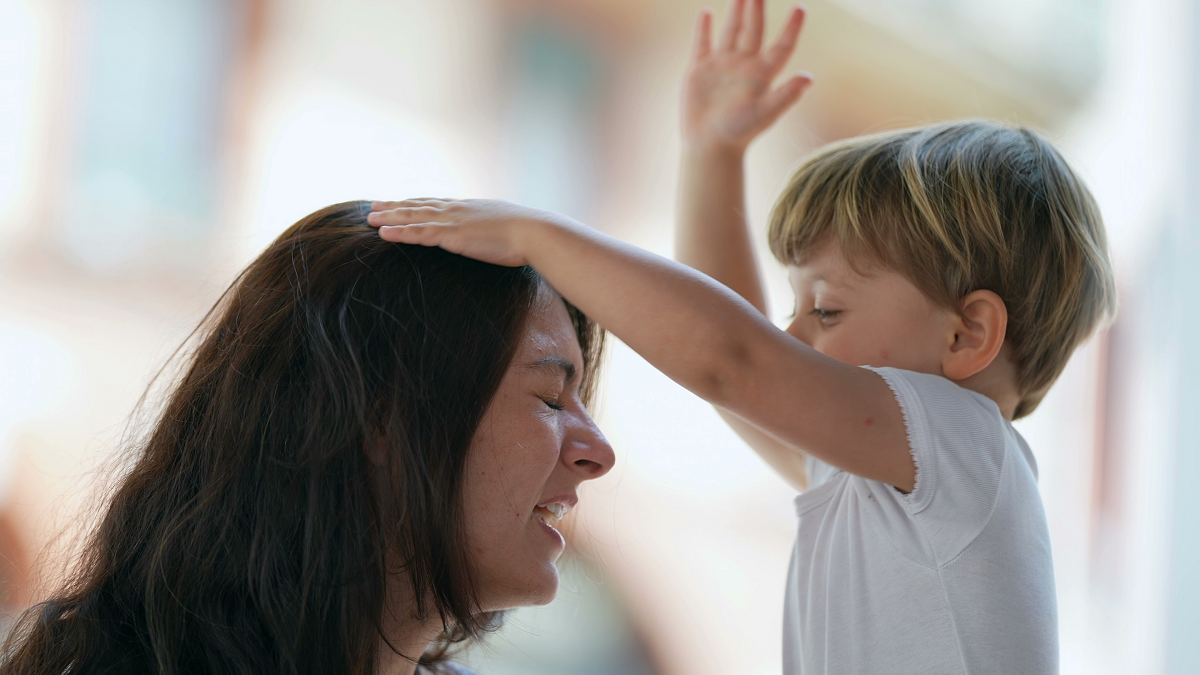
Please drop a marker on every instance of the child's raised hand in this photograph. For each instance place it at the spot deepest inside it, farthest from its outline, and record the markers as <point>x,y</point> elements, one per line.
<point>727,96</point>
<point>482,229</point>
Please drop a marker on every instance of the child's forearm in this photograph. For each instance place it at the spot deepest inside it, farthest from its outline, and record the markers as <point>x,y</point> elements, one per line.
<point>786,460</point>
<point>684,323</point>
<point>711,235</point>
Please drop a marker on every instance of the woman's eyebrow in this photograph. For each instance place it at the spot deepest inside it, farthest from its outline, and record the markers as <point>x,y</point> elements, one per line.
<point>555,364</point>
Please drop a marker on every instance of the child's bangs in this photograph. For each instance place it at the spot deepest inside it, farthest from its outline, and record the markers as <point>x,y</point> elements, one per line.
<point>842,196</point>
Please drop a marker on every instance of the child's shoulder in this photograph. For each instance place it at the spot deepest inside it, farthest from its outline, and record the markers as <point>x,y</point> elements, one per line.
<point>960,441</point>
<point>939,400</point>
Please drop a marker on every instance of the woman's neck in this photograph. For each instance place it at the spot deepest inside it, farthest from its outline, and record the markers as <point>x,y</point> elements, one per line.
<point>405,636</point>
<point>405,643</point>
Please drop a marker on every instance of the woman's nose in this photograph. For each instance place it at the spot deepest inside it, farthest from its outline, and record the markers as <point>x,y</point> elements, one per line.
<point>585,449</point>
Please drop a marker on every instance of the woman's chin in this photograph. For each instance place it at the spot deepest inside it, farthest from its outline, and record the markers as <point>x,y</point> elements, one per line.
<point>538,589</point>
<point>543,588</point>
<point>549,593</point>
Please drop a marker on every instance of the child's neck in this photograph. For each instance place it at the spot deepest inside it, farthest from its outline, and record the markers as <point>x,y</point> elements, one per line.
<point>998,382</point>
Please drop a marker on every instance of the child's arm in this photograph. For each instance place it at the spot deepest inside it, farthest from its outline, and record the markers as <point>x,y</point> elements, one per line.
<point>727,102</point>
<point>696,331</point>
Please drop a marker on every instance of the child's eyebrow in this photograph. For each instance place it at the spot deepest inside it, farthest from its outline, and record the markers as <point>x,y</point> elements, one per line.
<point>555,365</point>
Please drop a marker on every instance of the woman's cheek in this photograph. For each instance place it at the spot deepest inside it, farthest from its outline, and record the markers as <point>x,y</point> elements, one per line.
<point>536,440</point>
<point>549,438</point>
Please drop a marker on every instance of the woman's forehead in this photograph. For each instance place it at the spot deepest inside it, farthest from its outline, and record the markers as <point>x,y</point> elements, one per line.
<point>550,333</point>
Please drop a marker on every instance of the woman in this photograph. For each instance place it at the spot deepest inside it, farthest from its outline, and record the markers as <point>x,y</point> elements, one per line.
<point>357,469</point>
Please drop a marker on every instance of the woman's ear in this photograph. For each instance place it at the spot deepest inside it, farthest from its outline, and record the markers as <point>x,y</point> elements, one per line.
<point>978,335</point>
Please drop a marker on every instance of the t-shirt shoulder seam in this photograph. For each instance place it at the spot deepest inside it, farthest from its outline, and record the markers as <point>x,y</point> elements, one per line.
<point>905,395</point>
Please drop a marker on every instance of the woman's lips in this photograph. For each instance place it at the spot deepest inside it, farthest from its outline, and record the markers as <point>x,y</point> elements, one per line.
<point>552,511</point>
<point>547,528</point>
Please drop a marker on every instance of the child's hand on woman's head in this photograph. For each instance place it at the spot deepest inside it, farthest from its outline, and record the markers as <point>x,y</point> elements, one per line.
<point>727,95</point>
<point>483,229</point>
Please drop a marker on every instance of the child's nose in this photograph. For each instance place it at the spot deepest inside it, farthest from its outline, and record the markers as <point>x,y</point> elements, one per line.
<point>586,451</point>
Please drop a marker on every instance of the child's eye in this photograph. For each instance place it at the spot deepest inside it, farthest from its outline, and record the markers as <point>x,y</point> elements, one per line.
<point>824,314</point>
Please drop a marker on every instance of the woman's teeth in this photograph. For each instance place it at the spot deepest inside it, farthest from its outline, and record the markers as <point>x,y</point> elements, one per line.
<point>548,512</point>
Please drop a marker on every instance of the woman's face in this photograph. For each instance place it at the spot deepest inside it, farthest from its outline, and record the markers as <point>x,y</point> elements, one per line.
<point>535,444</point>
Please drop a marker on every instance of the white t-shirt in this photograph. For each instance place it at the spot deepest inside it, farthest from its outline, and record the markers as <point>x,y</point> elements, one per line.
<point>954,577</point>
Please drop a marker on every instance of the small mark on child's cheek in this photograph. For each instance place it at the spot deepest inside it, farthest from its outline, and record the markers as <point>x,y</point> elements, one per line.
<point>869,421</point>
<point>884,354</point>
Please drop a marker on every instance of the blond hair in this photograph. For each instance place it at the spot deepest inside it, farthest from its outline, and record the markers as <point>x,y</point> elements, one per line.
<point>957,208</point>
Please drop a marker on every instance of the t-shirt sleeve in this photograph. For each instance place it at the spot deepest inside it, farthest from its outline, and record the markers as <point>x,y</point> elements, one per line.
<point>957,439</point>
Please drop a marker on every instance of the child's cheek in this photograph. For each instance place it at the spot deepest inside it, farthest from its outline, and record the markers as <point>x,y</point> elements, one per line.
<point>836,348</point>
<point>858,352</point>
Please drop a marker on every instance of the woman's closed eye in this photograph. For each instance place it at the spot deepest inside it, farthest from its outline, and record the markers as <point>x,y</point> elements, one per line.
<point>554,398</point>
<point>556,376</point>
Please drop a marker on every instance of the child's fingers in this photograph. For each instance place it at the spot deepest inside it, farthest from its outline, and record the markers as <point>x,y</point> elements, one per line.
<point>703,38</point>
<point>378,205</point>
<point>733,26</point>
<point>752,36</point>
<point>783,97</point>
<point>406,216</point>
<point>424,234</point>
<point>778,54</point>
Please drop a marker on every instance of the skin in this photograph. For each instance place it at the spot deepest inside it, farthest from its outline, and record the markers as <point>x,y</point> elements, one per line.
<point>536,443</point>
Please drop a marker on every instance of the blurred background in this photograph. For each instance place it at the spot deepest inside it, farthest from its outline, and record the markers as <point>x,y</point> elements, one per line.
<point>150,148</point>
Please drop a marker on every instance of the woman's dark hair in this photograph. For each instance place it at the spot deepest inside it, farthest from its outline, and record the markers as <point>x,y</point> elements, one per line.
<point>313,445</point>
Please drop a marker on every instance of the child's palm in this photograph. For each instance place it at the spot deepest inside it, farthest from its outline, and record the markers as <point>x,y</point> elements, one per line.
<point>728,98</point>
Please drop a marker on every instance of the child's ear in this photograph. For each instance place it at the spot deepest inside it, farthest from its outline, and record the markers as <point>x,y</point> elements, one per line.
<point>978,335</point>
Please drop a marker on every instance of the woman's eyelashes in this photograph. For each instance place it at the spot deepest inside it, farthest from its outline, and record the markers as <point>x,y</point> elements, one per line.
<point>553,398</point>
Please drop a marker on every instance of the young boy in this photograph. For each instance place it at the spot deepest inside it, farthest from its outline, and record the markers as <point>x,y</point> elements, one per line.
<point>960,265</point>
